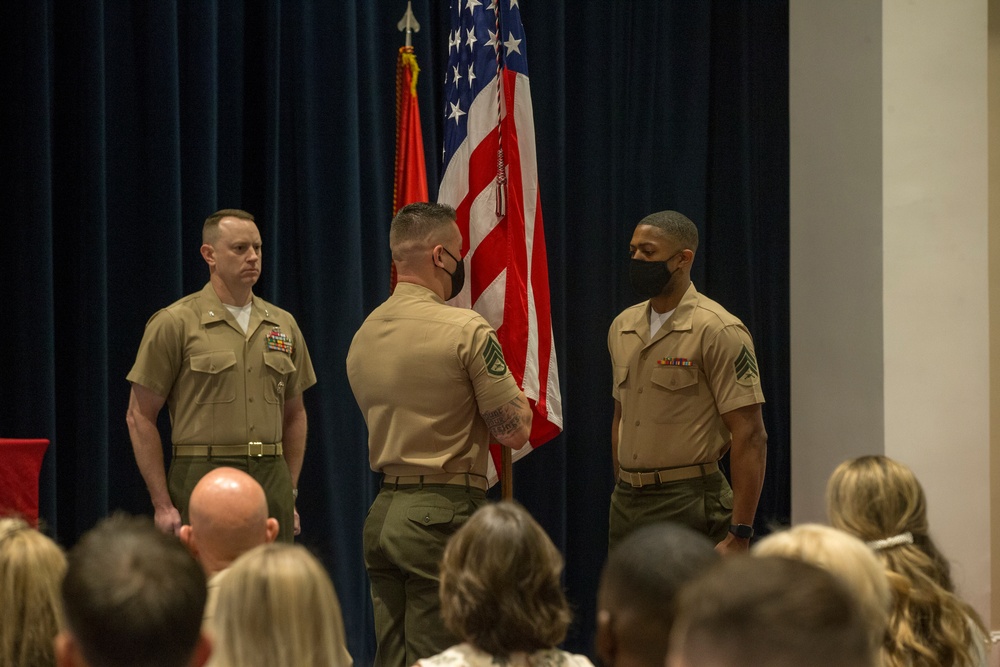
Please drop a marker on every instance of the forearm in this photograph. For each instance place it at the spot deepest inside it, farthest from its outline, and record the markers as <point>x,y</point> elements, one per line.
<point>748,459</point>
<point>510,424</point>
<point>293,443</point>
<point>148,449</point>
<point>615,428</point>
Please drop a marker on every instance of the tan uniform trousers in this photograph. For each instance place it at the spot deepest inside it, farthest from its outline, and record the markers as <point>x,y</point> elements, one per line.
<point>404,538</point>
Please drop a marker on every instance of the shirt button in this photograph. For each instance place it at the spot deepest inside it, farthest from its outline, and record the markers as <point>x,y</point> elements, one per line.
<point>251,427</point>
<point>251,399</point>
<point>427,518</point>
<point>640,390</point>
<point>249,368</point>
<point>635,457</point>
<point>636,422</point>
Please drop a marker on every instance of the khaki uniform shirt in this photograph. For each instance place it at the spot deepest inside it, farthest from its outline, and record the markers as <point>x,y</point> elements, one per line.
<point>223,387</point>
<point>674,388</point>
<point>422,372</point>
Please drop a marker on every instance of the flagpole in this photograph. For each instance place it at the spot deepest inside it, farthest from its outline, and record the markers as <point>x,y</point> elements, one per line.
<point>506,478</point>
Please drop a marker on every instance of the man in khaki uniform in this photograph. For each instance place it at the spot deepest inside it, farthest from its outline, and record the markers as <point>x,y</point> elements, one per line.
<point>686,390</point>
<point>433,385</point>
<point>231,368</point>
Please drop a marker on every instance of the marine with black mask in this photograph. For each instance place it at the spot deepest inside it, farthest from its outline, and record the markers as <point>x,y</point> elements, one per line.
<point>435,390</point>
<point>686,390</point>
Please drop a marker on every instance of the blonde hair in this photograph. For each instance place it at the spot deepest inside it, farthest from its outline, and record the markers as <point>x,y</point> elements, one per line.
<point>845,556</point>
<point>500,583</point>
<point>277,606</point>
<point>31,570</point>
<point>874,498</point>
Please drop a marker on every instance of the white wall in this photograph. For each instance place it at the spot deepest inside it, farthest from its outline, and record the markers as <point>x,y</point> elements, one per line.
<point>890,257</point>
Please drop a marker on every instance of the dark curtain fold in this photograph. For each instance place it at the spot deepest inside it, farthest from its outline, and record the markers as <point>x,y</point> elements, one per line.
<point>125,123</point>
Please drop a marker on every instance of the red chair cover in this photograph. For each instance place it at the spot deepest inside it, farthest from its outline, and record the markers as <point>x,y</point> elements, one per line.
<point>20,465</point>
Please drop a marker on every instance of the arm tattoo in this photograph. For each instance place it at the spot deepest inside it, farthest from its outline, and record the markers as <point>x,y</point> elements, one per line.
<point>506,419</point>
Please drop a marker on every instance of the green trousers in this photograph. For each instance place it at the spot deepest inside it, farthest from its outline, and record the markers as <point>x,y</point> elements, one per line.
<point>404,538</point>
<point>704,504</point>
<point>270,471</point>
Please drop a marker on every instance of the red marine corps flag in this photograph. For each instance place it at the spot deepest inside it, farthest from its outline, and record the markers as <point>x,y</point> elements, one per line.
<point>410,183</point>
<point>491,178</point>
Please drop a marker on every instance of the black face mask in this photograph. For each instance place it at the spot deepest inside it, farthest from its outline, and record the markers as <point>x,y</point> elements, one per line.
<point>457,276</point>
<point>649,278</point>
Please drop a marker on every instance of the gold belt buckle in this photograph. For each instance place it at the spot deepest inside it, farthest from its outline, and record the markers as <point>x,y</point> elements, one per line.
<point>255,449</point>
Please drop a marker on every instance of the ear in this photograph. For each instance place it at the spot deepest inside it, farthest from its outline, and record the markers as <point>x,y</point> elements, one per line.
<point>208,254</point>
<point>67,651</point>
<point>605,643</point>
<point>187,537</point>
<point>202,651</point>
<point>271,531</point>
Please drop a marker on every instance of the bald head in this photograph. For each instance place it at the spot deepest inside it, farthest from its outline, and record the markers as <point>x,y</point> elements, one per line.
<point>229,516</point>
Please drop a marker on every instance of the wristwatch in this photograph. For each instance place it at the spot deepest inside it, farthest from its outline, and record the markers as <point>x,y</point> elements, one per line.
<point>741,530</point>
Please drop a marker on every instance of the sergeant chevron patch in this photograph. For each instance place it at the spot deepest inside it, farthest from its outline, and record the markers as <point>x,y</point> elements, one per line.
<point>746,368</point>
<point>493,356</point>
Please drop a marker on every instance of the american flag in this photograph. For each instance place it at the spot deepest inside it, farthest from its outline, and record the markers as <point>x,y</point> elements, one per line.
<point>491,178</point>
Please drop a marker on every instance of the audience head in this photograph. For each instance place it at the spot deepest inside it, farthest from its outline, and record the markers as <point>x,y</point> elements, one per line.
<point>132,597</point>
<point>881,501</point>
<point>500,583</point>
<point>229,516</point>
<point>845,556</point>
<point>31,568</point>
<point>771,611</point>
<point>277,606</point>
<point>639,586</point>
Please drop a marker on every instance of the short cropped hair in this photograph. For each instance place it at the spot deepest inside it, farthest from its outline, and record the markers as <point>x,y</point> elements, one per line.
<point>674,225</point>
<point>769,611</point>
<point>210,230</point>
<point>845,556</point>
<point>648,568</point>
<point>418,223</point>
<point>277,606</point>
<point>500,583</point>
<point>133,596</point>
<point>31,569</point>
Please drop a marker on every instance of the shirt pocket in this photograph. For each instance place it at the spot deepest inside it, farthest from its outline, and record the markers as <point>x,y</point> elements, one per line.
<point>620,381</point>
<point>677,390</point>
<point>279,366</point>
<point>214,375</point>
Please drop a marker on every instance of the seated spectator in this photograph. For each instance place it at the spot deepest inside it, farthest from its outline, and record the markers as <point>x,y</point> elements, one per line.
<point>770,611</point>
<point>501,593</point>
<point>277,606</point>
<point>228,513</point>
<point>880,501</point>
<point>31,568</point>
<point>132,597</point>
<point>845,556</point>
<point>638,591</point>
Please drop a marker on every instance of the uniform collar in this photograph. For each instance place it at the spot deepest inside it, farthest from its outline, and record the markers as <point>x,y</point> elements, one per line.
<point>680,321</point>
<point>216,311</point>
<point>417,291</point>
